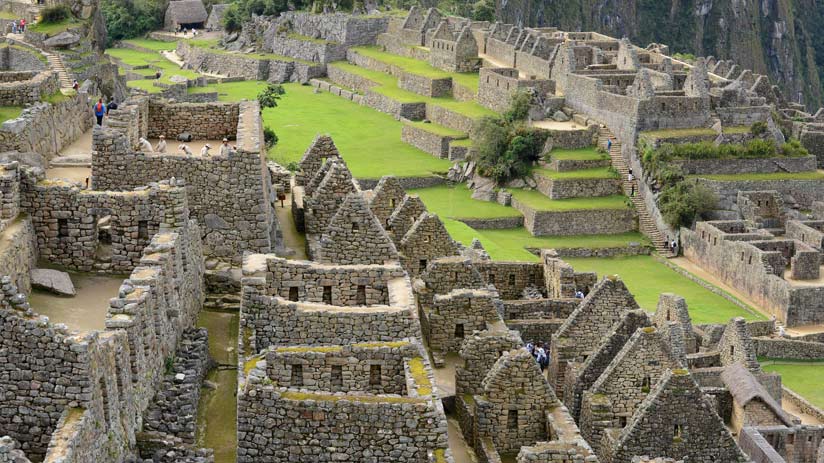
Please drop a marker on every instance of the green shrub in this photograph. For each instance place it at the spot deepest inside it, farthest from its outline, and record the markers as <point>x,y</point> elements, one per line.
<point>269,97</point>
<point>269,137</point>
<point>680,204</point>
<point>125,20</point>
<point>758,128</point>
<point>518,107</point>
<point>55,14</point>
<point>793,148</point>
<point>293,166</point>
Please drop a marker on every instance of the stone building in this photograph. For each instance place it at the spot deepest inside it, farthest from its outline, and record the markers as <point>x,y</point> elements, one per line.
<point>453,51</point>
<point>185,14</point>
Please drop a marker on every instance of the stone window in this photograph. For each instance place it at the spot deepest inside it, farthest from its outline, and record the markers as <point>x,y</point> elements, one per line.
<point>296,376</point>
<point>422,265</point>
<point>645,384</point>
<point>732,350</point>
<point>622,421</point>
<point>327,295</point>
<point>355,227</point>
<point>105,393</point>
<point>387,225</point>
<point>374,375</point>
<point>512,419</point>
<point>337,375</point>
<point>459,331</point>
<point>142,229</point>
<point>392,203</point>
<point>293,293</point>
<point>750,262</point>
<point>361,295</point>
<point>492,278</point>
<point>678,432</point>
<point>790,439</point>
<point>511,279</point>
<point>62,228</point>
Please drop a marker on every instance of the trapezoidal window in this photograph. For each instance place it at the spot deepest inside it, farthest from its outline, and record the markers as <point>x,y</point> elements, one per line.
<point>360,296</point>
<point>512,419</point>
<point>374,375</point>
<point>62,228</point>
<point>459,331</point>
<point>327,295</point>
<point>337,375</point>
<point>422,266</point>
<point>511,279</point>
<point>296,376</point>
<point>355,227</point>
<point>143,229</point>
<point>293,293</point>
<point>392,203</point>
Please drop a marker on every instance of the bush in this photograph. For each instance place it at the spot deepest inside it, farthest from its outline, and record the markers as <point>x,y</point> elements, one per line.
<point>793,148</point>
<point>269,137</point>
<point>125,20</point>
<point>518,107</point>
<point>55,14</point>
<point>681,203</point>
<point>269,97</point>
<point>758,128</point>
<point>293,166</point>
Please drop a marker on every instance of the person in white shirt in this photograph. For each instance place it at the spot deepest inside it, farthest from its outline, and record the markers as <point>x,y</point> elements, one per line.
<point>184,149</point>
<point>205,150</point>
<point>161,145</point>
<point>226,149</point>
<point>145,145</point>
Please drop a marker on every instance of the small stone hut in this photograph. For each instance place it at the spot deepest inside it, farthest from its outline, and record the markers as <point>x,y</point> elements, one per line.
<point>187,13</point>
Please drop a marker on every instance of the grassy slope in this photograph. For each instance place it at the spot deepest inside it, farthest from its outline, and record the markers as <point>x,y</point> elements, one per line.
<point>598,172</point>
<point>9,112</point>
<point>151,44</point>
<point>580,154</point>
<point>646,278</point>
<point>464,79</point>
<point>804,378</point>
<point>538,201</point>
<point>456,202</point>
<point>54,28</point>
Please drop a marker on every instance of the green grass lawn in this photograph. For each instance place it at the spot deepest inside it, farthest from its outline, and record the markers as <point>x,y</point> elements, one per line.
<point>213,46</point>
<point>646,278</point>
<point>537,200</point>
<point>9,112</point>
<point>736,129</point>
<point>594,173</point>
<point>805,378</point>
<point>817,175</point>
<point>422,68</point>
<point>581,154</point>
<point>388,85</point>
<point>151,44</point>
<point>677,133</point>
<point>436,129</point>
<point>54,28</point>
<point>156,61</point>
<point>457,203</point>
<point>510,244</point>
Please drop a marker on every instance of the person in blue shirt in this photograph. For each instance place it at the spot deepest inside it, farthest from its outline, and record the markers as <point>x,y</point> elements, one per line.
<point>99,111</point>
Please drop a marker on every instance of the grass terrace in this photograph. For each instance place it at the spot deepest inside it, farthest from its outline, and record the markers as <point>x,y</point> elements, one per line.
<point>805,378</point>
<point>580,154</point>
<point>663,134</point>
<point>51,29</point>
<point>816,175</point>
<point>155,62</point>
<point>388,86</point>
<point>538,201</point>
<point>413,66</point>
<point>436,129</point>
<point>213,46</point>
<point>306,38</point>
<point>594,173</point>
<point>646,278</point>
<point>9,112</point>
<point>151,44</point>
<point>457,203</point>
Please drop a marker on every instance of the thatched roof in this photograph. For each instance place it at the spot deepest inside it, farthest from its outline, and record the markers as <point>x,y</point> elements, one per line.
<point>744,387</point>
<point>186,12</point>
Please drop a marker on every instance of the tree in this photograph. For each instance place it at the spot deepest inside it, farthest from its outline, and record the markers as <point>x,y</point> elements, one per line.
<point>269,97</point>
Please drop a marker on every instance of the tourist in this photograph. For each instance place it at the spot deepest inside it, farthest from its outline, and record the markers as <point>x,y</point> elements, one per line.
<point>579,294</point>
<point>145,145</point>
<point>14,27</point>
<point>23,25</point>
<point>609,144</point>
<point>185,149</point>
<point>530,348</point>
<point>75,85</point>
<point>541,357</point>
<point>674,247</point>
<point>630,177</point>
<point>112,105</point>
<point>205,150</point>
<point>226,149</point>
<point>161,145</point>
<point>632,190</point>
<point>99,111</point>
<point>781,331</point>
<point>158,74</point>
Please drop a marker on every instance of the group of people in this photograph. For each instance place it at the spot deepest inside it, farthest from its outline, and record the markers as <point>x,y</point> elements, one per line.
<point>18,26</point>
<point>539,353</point>
<point>672,244</point>
<point>225,148</point>
<point>102,109</point>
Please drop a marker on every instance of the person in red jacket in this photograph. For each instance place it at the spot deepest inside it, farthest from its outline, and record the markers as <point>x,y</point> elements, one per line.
<point>99,111</point>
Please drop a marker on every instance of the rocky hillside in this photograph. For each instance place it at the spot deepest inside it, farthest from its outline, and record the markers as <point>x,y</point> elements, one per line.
<point>780,37</point>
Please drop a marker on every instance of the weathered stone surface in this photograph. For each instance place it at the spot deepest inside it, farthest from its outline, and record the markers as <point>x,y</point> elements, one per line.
<point>53,281</point>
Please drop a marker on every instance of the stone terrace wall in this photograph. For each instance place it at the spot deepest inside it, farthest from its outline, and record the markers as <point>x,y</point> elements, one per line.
<point>746,166</point>
<point>339,27</point>
<point>19,256</point>
<point>788,349</point>
<point>511,278</point>
<point>584,222</point>
<point>804,192</point>
<point>316,52</point>
<point>65,222</point>
<point>47,128</point>
<point>267,430</point>
<point>246,67</point>
<point>311,278</point>
<point>20,88</point>
<point>229,196</point>
<point>205,121</point>
<point>21,58</point>
<point>354,361</point>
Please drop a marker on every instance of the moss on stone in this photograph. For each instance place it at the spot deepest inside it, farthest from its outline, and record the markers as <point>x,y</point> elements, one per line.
<point>418,371</point>
<point>299,396</point>
<point>319,349</point>
<point>377,345</point>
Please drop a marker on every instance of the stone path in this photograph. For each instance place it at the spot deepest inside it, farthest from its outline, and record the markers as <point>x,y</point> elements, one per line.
<point>790,408</point>
<point>292,238</point>
<point>55,63</point>
<point>646,223</point>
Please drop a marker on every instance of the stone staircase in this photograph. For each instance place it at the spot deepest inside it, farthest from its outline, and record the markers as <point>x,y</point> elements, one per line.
<point>646,224</point>
<point>56,64</point>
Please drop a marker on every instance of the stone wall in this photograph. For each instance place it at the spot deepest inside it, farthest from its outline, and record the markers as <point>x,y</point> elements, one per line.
<point>230,196</point>
<point>583,222</point>
<point>804,192</point>
<point>47,128</point>
<point>19,257</point>
<point>497,86</point>
<point>578,188</point>
<point>783,348</point>
<point>511,278</point>
<point>204,121</point>
<point>435,144</point>
<point>746,166</point>
<point>307,50</point>
<point>18,57</point>
<point>19,88</point>
<point>249,68</point>
<point>457,314</point>
<point>342,28</point>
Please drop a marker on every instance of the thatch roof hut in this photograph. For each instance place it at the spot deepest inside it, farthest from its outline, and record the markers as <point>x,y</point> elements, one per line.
<point>186,13</point>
